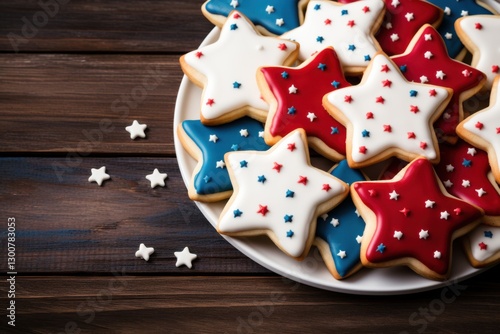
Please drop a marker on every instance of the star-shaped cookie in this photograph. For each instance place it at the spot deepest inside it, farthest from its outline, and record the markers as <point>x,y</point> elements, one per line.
<point>411,220</point>
<point>426,60</point>
<point>340,231</point>
<point>272,17</point>
<point>348,28</point>
<point>280,194</point>
<point>386,115</point>
<point>466,174</point>
<point>453,10</point>
<point>482,129</point>
<point>479,33</point>
<point>226,70</point>
<point>208,144</point>
<point>482,246</point>
<point>303,107</point>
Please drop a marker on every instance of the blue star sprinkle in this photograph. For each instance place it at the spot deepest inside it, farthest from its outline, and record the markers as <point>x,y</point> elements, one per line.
<point>403,68</point>
<point>236,85</point>
<point>235,147</point>
<point>344,12</point>
<point>413,93</point>
<point>320,39</point>
<point>291,110</point>
<point>381,248</point>
<point>365,133</point>
<point>322,66</point>
<point>261,179</point>
<point>335,84</point>
<point>290,193</point>
<point>207,179</point>
<point>488,234</point>
<point>288,218</point>
<point>335,130</point>
<point>317,7</point>
<point>284,75</point>
<point>289,234</point>
<point>243,163</point>
<point>367,58</point>
<point>234,26</point>
<point>467,163</point>
<point>237,213</point>
<point>351,47</point>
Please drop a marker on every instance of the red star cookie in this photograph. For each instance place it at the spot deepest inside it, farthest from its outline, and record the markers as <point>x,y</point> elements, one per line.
<point>402,20</point>
<point>386,115</point>
<point>295,97</point>
<point>426,60</point>
<point>411,220</point>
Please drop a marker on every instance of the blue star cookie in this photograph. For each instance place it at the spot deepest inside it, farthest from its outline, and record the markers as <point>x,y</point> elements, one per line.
<point>208,144</point>
<point>338,233</point>
<point>274,17</point>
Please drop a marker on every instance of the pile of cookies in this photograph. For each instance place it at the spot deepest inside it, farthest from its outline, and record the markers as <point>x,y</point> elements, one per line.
<point>369,85</point>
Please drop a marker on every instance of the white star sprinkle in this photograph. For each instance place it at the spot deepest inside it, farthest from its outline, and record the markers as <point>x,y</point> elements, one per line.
<point>444,215</point>
<point>447,10</point>
<point>440,75</point>
<point>244,133</point>
<point>144,252</point>
<point>335,222</point>
<point>480,192</point>
<point>213,138</point>
<point>409,16</point>
<point>234,3</point>
<point>261,134</point>
<point>429,204</point>
<point>398,235</point>
<point>270,9</point>
<point>450,168</point>
<point>428,55</point>
<point>357,213</point>
<point>448,184</point>
<point>311,116</point>
<point>99,175</point>
<point>394,37</point>
<point>465,183</point>
<point>136,130</point>
<point>388,25</point>
<point>423,79</point>
<point>292,89</point>
<point>437,254</point>
<point>157,178</point>
<point>280,22</point>
<point>395,3</point>
<point>185,258</point>
<point>448,35</point>
<point>342,254</point>
<point>464,13</point>
<point>393,195</point>
<point>359,239</point>
<point>428,37</point>
<point>423,234</point>
<point>220,164</point>
<point>471,151</point>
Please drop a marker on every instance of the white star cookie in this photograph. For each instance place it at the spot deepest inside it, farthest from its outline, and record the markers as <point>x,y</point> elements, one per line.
<point>226,70</point>
<point>278,193</point>
<point>482,129</point>
<point>385,115</point>
<point>348,28</point>
<point>99,175</point>
<point>185,258</point>
<point>479,34</point>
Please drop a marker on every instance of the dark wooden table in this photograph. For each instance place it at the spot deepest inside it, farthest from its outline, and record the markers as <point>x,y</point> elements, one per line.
<point>65,71</point>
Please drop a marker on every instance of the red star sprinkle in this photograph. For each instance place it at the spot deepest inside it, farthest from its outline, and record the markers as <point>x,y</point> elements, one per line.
<point>363,149</point>
<point>479,125</point>
<point>348,98</point>
<point>366,9</point>
<point>369,115</point>
<point>385,68</point>
<point>262,209</point>
<point>482,246</point>
<point>328,22</point>
<point>387,218</point>
<point>423,145</point>
<point>478,26</point>
<point>236,15</point>
<point>326,187</point>
<point>498,130</point>
<point>414,109</point>
<point>277,167</point>
<point>411,135</point>
<point>372,192</point>
<point>303,180</point>
<point>405,212</point>
<point>387,128</point>
<point>199,54</point>
<point>432,92</point>
<point>210,102</point>
<point>379,99</point>
<point>291,146</point>
<point>386,83</point>
<point>282,46</point>
<point>350,23</point>
<point>457,211</point>
<point>495,68</point>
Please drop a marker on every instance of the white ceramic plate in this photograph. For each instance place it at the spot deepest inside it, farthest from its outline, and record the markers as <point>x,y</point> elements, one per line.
<point>311,271</point>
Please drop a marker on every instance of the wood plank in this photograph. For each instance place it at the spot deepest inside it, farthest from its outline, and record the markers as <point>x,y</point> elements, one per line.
<point>102,26</point>
<point>228,304</point>
<point>67,225</point>
<point>82,103</point>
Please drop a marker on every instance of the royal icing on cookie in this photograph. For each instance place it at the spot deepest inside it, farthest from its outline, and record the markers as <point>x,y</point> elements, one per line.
<point>303,108</point>
<point>210,175</point>
<point>275,16</point>
<point>494,4</point>
<point>414,219</point>
<point>465,170</point>
<point>483,129</point>
<point>229,66</point>
<point>384,112</point>
<point>484,244</point>
<point>342,228</point>
<point>348,28</point>
<point>479,33</point>
<point>453,10</point>
<point>278,192</point>
<point>427,61</point>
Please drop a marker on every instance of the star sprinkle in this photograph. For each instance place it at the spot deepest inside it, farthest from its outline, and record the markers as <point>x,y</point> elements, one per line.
<point>455,11</point>
<point>483,245</point>
<point>352,41</point>
<point>443,71</point>
<point>99,175</point>
<point>309,199</point>
<point>274,16</point>
<point>423,232</point>
<point>487,136</point>
<point>345,236</point>
<point>398,111</point>
<point>136,130</point>
<point>482,43</point>
<point>185,258</point>
<point>208,182</point>
<point>144,252</point>
<point>314,83</point>
<point>157,178</point>
<point>235,56</point>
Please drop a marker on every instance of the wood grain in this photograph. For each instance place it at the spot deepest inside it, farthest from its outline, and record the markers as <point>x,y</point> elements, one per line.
<point>125,26</point>
<point>82,103</point>
<point>122,303</point>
